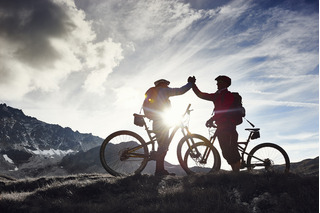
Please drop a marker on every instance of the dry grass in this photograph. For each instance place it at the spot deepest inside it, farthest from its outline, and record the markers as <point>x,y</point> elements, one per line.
<point>223,192</point>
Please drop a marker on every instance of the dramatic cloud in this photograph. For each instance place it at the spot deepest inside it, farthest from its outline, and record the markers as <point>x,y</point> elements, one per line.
<point>44,41</point>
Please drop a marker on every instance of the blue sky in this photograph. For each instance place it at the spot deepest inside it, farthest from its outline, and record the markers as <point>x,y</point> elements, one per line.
<point>86,64</point>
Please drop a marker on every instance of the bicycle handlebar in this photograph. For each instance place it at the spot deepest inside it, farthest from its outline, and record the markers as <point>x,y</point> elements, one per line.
<point>213,126</point>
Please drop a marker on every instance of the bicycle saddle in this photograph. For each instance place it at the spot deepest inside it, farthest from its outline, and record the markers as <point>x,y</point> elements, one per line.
<point>138,115</point>
<point>252,129</point>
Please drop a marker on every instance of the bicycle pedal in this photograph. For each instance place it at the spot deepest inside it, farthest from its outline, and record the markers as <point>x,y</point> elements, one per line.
<point>243,165</point>
<point>153,155</point>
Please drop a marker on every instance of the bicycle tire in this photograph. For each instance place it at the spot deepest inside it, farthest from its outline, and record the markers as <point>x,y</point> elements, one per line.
<point>115,157</point>
<point>183,149</point>
<point>196,165</point>
<point>268,157</point>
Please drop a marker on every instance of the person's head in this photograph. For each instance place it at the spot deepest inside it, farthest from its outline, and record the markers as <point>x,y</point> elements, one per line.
<point>223,81</point>
<point>161,83</point>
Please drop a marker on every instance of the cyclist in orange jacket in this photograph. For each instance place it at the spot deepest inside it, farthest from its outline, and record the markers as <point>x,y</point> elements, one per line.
<point>226,126</point>
<point>164,92</point>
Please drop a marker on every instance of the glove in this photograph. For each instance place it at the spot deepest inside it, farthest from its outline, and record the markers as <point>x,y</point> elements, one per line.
<point>209,122</point>
<point>192,79</point>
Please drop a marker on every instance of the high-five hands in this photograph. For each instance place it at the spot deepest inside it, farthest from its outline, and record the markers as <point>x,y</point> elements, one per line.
<point>192,79</point>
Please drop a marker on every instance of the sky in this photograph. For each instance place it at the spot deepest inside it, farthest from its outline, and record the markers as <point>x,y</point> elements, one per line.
<point>86,64</point>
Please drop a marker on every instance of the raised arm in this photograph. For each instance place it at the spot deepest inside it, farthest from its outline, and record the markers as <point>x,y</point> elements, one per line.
<point>178,91</point>
<point>203,95</point>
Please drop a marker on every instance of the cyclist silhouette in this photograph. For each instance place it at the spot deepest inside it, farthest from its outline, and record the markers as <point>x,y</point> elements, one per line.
<point>226,126</point>
<point>162,102</point>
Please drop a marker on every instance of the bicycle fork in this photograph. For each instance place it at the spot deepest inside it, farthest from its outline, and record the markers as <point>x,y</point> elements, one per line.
<point>194,152</point>
<point>190,141</point>
<point>206,153</point>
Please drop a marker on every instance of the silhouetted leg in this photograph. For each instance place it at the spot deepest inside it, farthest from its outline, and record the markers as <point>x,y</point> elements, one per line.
<point>160,163</point>
<point>236,166</point>
<point>162,134</point>
<point>228,140</point>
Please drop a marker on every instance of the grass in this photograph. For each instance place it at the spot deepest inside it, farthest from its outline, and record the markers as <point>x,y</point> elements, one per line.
<point>223,192</point>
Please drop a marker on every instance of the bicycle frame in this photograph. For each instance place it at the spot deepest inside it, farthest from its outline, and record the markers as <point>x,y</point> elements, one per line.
<point>152,138</point>
<point>242,146</point>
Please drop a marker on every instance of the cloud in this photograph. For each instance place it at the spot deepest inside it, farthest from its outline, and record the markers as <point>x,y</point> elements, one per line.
<point>44,41</point>
<point>242,39</point>
<point>26,26</point>
<point>104,56</point>
<point>140,21</point>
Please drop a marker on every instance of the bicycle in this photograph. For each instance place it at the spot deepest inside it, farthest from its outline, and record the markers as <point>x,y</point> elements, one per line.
<point>126,153</point>
<point>265,156</point>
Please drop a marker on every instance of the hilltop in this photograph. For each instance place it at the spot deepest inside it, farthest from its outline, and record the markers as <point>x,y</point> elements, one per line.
<point>221,192</point>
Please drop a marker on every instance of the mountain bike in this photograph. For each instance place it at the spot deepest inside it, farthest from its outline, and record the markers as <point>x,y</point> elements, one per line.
<point>127,153</point>
<point>263,157</point>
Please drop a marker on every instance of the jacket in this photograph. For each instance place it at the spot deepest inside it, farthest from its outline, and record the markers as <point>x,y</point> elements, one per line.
<point>222,100</point>
<point>162,98</point>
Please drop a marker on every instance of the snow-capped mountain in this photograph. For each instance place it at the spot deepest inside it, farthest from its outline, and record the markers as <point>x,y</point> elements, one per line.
<point>18,130</point>
<point>26,141</point>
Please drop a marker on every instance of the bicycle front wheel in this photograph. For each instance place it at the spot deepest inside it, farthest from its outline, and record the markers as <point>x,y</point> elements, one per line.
<point>202,158</point>
<point>268,157</point>
<point>124,153</point>
<point>197,155</point>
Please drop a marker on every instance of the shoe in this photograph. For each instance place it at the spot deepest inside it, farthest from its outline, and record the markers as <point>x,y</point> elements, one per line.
<point>163,173</point>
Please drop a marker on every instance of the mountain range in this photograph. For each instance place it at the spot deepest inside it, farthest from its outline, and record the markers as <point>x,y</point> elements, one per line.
<point>33,148</point>
<point>28,147</point>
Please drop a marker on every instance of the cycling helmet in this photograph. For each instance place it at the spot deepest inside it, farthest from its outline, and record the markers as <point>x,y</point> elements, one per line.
<point>224,78</point>
<point>161,81</point>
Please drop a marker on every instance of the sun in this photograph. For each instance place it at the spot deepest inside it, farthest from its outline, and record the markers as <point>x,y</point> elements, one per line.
<point>171,117</point>
<point>174,115</point>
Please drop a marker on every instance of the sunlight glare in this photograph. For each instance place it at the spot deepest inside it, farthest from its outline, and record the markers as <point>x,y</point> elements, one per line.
<point>172,117</point>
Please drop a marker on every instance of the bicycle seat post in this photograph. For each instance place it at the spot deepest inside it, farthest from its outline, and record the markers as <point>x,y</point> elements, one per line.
<point>152,138</point>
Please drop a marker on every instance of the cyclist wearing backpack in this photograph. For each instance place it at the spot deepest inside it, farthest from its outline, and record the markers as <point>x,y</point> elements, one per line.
<point>156,101</point>
<point>224,119</point>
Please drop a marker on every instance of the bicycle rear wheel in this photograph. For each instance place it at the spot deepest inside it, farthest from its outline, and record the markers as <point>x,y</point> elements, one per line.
<point>268,157</point>
<point>197,155</point>
<point>124,153</point>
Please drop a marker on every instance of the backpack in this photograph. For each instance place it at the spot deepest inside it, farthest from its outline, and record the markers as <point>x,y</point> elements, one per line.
<point>237,111</point>
<point>152,105</point>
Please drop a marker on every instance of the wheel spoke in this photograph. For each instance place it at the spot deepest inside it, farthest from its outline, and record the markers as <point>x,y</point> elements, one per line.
<point>197,155</point>
<point>201,162</point>
<point>123,153</point>
<point>268,157</point>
